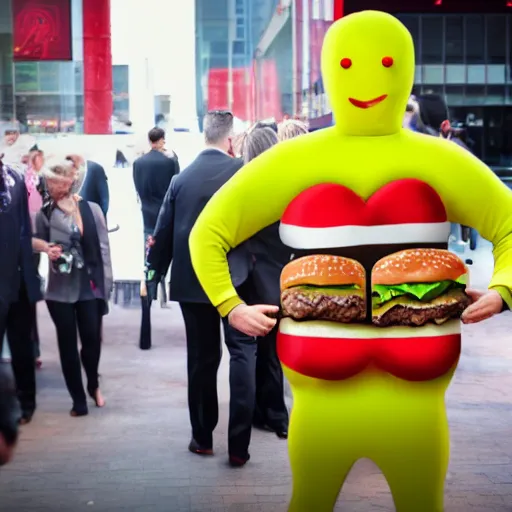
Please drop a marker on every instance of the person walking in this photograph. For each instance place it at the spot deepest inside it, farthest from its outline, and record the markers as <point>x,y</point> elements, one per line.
<point>152,175</point>
<point>19,286</point>
<point>79,281</point>
<point>187,196</point>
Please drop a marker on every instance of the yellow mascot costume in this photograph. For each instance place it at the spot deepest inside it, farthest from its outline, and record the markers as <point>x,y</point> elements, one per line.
<point>372,300</point>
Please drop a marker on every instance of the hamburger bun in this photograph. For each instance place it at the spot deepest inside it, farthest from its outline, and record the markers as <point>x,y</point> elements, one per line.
<point>418,266</point>
<point>322,270</point>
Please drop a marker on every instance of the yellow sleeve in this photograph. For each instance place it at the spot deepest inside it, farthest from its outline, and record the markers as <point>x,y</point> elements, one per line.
<point>253,199</point>
<point>474,196</point>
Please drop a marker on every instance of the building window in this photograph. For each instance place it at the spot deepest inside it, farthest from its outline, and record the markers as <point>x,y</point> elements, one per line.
<point>455,74</point>
<point>412,23</point>
<point>239,47</point>
<point>496,39</point>
<point>476,74</point>
<point>495,95</point>
<point>454,45</point>
<point>219,47</point>
<point>475,39</point>
<point>432,40</point>
<point>240,32</point>
<point>433,74</point>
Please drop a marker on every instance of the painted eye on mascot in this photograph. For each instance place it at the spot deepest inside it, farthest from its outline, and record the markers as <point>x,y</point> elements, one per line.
<point>387,62</point>
<point>346,63</point>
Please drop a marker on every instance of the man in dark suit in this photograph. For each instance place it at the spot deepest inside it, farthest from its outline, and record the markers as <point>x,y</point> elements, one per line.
<point>187,196</point>
<point>152,175</point>
<point>19,286</point>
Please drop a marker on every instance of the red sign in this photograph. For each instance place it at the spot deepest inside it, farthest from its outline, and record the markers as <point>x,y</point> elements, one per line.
<point>42,30</point>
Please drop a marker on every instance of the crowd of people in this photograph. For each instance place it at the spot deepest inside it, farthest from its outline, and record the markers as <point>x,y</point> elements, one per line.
<point>171,202</point>
<point>55,205</point>
<point>59,206</point>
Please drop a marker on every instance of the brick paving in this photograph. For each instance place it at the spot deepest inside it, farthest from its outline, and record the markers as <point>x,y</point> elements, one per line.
<point>131,456</point>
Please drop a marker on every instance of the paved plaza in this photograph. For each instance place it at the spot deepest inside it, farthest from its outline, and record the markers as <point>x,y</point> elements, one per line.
<point>132,455</point>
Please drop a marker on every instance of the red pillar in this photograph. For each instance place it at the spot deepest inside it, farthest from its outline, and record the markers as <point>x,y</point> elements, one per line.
<point>338,9</point>
<point>98,101</point>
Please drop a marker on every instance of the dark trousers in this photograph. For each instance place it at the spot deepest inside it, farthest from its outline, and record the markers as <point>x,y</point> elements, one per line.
<point>16,322</point>
<point>204,352</point>
<point>270,409</point>
<point>35,330</point>
<point>163,290</point>
<point>84,317</point>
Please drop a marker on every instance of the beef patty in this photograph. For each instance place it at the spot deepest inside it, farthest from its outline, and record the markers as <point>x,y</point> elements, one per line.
<point>315,305</point>
<point>414,316</point>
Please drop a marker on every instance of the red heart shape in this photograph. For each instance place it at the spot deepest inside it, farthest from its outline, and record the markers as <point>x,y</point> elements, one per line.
<point>413,358</point>
<point>407,201</point>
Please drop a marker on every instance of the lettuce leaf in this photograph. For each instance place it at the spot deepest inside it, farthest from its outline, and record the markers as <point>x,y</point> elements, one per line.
<point>424,292</point>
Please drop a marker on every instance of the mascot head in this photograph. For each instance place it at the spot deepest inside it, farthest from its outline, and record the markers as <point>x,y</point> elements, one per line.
<point>368,70</point>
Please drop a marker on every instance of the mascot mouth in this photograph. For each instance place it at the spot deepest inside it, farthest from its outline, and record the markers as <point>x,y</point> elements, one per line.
<point>367,104</point>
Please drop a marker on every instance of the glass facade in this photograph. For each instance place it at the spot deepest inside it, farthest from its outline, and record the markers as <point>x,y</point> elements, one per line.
<point>120,91</point>
<point>260,58</point>
<point>41,96</point>
<point>467,58</point>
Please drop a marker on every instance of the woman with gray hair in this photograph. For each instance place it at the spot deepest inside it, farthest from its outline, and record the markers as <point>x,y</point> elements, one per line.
<point>291,128</point>
<point>79,280</point>
<point>260,374</point>
<point>256,142</point>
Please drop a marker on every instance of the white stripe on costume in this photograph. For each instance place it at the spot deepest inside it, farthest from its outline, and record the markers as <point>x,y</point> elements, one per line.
<point>298,237</point>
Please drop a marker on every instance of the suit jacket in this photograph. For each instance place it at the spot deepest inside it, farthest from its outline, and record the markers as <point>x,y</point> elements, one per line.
<point>268,256</point>
<point>96,254</point>
<point>16,255</point>
<point>94,187</point>
<point>152,175</point>
<point>185,199</point>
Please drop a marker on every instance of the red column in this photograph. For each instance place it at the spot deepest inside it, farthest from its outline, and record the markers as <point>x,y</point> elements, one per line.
<point>98,101</point>
<point>338,9</point>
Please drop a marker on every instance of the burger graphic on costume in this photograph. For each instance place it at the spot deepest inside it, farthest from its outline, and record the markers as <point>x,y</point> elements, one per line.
<point>418,286</point>
<point>324,287</point>
<point>370,333</point>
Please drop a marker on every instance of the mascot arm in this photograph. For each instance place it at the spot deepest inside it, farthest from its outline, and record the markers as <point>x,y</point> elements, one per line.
<point>476,197</point>
<point>253,199</point>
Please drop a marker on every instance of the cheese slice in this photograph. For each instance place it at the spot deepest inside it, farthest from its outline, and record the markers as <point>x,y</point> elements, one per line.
<point>452,297</point>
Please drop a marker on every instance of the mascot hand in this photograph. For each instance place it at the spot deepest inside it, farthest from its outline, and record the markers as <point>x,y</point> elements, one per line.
<point>253,320</point>
<point>485,305</point>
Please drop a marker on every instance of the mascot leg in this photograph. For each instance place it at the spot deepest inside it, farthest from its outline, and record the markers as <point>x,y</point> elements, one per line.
<point>416,471</point>
<point>320,458</point>
<point>414,457</point>
<point>321,453</point>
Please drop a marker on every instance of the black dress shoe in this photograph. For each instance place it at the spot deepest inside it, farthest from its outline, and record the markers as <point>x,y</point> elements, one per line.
<point>238,462</point>
<point>282,434</point>
<point>26,417</point>
<point>196,448</point>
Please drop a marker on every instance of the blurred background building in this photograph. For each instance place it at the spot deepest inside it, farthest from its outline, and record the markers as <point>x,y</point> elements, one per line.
<point>88,66</point>
<point>261,59</point>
